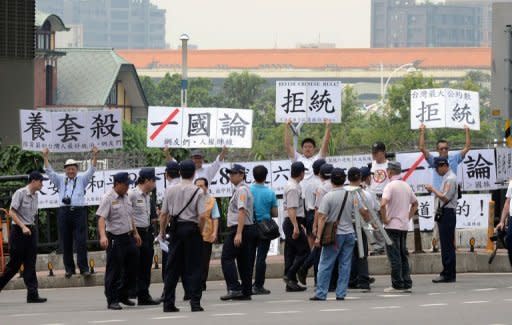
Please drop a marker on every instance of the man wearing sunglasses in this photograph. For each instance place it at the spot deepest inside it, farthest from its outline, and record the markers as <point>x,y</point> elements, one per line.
<point>454,159</point>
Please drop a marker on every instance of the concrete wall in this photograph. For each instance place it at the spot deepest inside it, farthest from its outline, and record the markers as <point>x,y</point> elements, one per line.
<point>16,92</point>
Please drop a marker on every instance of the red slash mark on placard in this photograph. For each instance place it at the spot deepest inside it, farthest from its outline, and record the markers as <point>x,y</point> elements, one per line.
<point>164,124</point>
<point>413,167</point>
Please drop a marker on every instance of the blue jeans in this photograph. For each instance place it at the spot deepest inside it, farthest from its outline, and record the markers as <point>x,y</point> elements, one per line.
<point>261,264</point>
<point>342,252</point>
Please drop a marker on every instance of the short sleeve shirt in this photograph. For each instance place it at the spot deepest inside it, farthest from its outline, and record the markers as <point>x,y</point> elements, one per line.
<point>177,197</point>
<point>141,204</point>
<point>25,204</point>
<point>264,200</point>
<point>451,180</point>
<point>117,211</point>
<point>379,177</point>
<point>292,198</point>
<point>331,205</point>
<point>454,161</point>
<point>323,189</point>
<point>400,197</point>
<point>308,163</point>
<point>309,188</point>
<point>242,199</point>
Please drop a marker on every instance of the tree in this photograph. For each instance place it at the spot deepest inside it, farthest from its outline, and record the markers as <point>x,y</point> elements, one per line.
<point>240,90</point>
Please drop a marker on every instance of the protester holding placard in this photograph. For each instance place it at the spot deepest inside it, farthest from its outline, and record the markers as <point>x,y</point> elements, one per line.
<point>209,172</point>
<point>72,213</point>
<point>446,218</point>
<point>308,146</point>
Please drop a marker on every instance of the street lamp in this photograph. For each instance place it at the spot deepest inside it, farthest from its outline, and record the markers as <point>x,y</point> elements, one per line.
<point>411,67</point>
<point>184,78</point>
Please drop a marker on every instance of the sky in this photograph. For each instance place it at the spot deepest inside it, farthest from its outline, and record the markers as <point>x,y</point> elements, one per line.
<point>232,24</point>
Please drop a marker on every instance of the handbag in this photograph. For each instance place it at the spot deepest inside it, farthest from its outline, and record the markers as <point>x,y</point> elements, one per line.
<point>439,213</point>
<point>173,220</point>
<point>207,230</point>
<point>330,228</point>
<point>268,229</point>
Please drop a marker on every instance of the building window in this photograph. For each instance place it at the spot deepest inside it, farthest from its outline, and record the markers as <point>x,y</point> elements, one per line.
<point>112,97</point>
<point>43,41</point>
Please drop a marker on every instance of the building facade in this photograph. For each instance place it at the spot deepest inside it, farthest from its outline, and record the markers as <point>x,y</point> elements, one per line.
<point>404,23</point>
<point>112,23</point>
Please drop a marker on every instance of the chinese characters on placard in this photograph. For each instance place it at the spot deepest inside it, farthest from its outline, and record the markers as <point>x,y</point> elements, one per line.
<point>71,131</point>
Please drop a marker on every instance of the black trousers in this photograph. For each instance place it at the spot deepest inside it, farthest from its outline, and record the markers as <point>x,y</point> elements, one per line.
<point>398,259</point>
<point>146,252</point>
<point>447,238</point>
<point>295,250</point>
<point>184,259</point>
<point>359,275</point>
<point>242,256</point>
<point>205,263</point>
<point>72,223</point>
<point>121,268</point>
<point>22,250</point>
<point>261,262</point>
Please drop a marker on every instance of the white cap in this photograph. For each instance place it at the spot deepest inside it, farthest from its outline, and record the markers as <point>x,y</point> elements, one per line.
<point>70,162</point>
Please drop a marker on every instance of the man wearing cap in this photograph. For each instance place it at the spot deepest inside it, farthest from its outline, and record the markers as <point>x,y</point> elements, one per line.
<point>296,248</point>
<point>309,188</point>
<point>398,206</point>
<point>241,240</point>
<point>341,251</point>
<point>454,160</point>
<point>184,207</point>
<point>119,236</point>
<point>72,213</point>
<point>140,198</point>
<point>324,187</point>
<point>23,237</point>
<point>446,203</point>
<point>209,172</point>
<point>308,145</point>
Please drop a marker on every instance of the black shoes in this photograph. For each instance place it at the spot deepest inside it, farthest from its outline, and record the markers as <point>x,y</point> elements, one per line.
<point>147,301</point>
<point>68,275</point>
<point>114,306</point>
<point>171,309</point>
<point>36,300</point>
<point>127,302</point>
<point>302,274</point>
<point>260,291</point>
<point>85,274</point>
<point>186,297</point>
<point>293,286</point>
<point>340,298</point>
<point>197,308</point>
<point>232,295</point>
<point>442,279</point>
<point>315,298</point>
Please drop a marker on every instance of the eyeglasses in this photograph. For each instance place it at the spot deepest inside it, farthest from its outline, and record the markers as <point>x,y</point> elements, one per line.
<point>444,148</point>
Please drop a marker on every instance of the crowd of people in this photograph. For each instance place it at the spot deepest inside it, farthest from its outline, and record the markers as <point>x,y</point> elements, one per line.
<point>323,206</point>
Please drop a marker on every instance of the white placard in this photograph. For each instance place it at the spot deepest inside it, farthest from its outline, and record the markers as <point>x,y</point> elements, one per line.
<point>234,128</point>
<point>308,101</point>
<point>200,127</point>
<point>343,162</point>
<point>170,134</point>
<point>281,170</point>
<point>96,188</point>
<point>220,185</point>
<point>503,164</point>
<point>445,108</point>
<point>71,131</point>
<point>478,170</point>
<point>415,170</point>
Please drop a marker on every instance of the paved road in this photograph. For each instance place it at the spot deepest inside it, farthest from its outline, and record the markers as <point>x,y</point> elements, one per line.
<point>474,299</point>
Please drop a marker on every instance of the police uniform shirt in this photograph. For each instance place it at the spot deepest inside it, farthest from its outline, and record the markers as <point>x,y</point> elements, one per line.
<point>325,188</point>
<point>242,198</point>
<point>292,198</point>
<point>310,187</point>
<point>451,179</point>
<point>178,196</point>
<point>141,204</point>
<point>25,204</point>
<point>117,211</point>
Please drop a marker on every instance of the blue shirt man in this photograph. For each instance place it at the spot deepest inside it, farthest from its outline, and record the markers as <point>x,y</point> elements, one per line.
<point>265,207</point>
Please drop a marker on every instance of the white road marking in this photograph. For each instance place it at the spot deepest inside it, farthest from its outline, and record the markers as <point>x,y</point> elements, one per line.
<point>229,304</point>
<point>352,298</point>
<point>169,317</point>
<point>393,296</point>
<point>484,289</point>
<point>284,312</point>
<point>507,299</point>
<point>28,315</point>
<point>232,314</point>
<point>106,321</point>
<point>434,305</point>
<point>328,310</point>
<point>53,324</point>
<point>475,302</point>
<point>441,293</point>
<point>385,307</point>
<point>282,301</point>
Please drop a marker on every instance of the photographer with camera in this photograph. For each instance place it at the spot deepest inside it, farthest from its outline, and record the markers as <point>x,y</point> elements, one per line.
<point>72,213</point>
<point>505,220</point>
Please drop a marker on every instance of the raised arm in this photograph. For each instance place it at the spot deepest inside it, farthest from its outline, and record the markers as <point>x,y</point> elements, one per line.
<point>421,143</point>
<point>324,149</point>
<point>288,146</point>
<point>54,177</point>
<point>467,145</point>
<point>92,168</point>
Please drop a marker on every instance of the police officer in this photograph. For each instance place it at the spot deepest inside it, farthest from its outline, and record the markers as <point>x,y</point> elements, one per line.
<point>241,240</point>
<point>72,213</point>
<point>140,198</point>
<point>119,236</point>
<point>184,206</point>
<point>23,237</point>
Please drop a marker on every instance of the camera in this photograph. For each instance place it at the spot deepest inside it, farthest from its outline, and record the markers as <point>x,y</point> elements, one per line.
<point>66,200</point>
